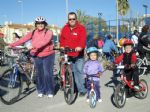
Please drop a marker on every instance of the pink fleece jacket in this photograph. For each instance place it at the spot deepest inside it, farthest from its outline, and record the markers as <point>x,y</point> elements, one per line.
<point>41,42</point>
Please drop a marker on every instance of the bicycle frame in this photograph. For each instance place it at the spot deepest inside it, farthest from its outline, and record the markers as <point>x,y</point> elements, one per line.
<point>130,82</point>
<point>18,67</point>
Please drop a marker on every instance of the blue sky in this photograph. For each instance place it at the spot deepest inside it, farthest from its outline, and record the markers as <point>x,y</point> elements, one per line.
<point>55,10</point>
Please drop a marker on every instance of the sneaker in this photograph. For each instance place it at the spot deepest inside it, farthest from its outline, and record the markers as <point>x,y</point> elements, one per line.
<point>88,100</point>
<point>50,96</point>
<point>100,100</point>
<point>40,95</point>
<point>136,87</point>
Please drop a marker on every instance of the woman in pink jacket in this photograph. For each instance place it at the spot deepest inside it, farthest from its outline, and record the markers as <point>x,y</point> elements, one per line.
<point>42,49</point>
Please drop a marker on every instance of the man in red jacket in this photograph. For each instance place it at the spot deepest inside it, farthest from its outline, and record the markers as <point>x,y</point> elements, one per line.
<point>73,35</point>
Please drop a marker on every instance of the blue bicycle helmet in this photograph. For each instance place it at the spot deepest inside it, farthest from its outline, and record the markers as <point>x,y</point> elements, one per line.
<point>91,50</point>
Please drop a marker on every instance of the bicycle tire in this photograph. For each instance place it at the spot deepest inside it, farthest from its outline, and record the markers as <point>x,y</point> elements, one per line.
<point>141,69</point>
<point>120,96</point>
<point>142,94</point>
<point>92,99</point>
<point>70,94</point>
<point>10,95</point>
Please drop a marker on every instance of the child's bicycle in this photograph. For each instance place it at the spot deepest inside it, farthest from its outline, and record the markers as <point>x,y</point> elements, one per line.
<point>125,88</point>
<point>66,76</point>
<point>11,81</point>
<point>92,93</point>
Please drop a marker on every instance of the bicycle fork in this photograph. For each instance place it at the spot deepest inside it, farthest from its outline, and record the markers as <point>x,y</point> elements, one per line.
<point>13,77</point>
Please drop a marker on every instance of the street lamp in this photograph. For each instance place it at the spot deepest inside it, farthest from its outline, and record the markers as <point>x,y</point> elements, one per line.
<point>145,6</point>
<point>66,9</point>
<point>99,17</point>
<point>117,22</point>
<point>21,3</point>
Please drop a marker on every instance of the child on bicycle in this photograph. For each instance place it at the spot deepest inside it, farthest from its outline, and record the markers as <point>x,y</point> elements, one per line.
<point>92,68</point>
<point>129,59</point>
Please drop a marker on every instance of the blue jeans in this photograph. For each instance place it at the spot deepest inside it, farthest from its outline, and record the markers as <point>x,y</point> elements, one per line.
<point>44,74</point>
<point>78,75</point>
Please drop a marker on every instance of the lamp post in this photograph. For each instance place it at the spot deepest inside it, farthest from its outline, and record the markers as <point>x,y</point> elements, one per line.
<point>145,6</point>
<point>66,10</point>
<point>99,18</point>
<point>117,22</point>
<point>21,4</point>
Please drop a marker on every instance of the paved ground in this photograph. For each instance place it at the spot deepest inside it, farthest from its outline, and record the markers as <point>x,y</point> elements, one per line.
<point>31,103</point>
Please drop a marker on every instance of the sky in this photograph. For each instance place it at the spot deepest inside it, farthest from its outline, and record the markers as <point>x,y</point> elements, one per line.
<point>25,11</point>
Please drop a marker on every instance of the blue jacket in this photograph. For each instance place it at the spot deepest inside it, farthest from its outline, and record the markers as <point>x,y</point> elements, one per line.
<point>109,46</point>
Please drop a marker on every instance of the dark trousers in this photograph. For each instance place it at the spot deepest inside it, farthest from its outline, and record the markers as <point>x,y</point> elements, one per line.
<point>96,88</point>
<point>133,74</point>
<point>109,56</point>
<point>44,74</point>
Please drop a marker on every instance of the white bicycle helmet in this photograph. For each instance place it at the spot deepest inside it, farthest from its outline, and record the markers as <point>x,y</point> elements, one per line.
<point>40,19</point>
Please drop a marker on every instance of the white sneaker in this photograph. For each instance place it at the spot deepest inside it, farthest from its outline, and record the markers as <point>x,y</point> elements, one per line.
<point>100,100</point>
<point>50,96</point>
<point>40,95</point>
<point>87,100</point>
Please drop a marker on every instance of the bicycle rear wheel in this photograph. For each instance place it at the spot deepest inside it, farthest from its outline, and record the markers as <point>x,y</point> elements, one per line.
<point>142,94</point>
<point>92,98</point>
<point>120,96</point>
<point>10,87</point>
<point>70,91</point>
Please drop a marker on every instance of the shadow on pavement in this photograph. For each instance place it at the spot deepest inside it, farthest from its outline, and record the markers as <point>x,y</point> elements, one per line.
<point>26,92</point>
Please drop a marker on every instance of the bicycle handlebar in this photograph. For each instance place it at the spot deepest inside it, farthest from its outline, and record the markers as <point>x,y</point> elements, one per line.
<point>65,49</point>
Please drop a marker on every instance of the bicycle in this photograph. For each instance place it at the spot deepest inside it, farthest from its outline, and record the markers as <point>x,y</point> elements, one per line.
<point>92,93</point>
<point>11,81</point>
<point>66,76</point>
<point>125,87</point>
<point>142,64</point>
<point>2,58</point>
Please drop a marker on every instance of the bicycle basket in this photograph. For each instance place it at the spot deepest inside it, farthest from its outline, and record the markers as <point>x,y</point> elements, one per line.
<point>14,53</point>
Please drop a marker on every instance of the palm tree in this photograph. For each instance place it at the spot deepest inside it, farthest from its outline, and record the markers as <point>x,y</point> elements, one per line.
<point>123,7</point>
<point>82,17</point>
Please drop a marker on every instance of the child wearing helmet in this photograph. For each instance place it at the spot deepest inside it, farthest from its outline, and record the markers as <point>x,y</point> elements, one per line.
<point>129,59</point>
<point>93,68</point>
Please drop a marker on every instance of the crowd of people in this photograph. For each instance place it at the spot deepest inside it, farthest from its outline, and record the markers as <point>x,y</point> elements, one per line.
<point>73,35</point>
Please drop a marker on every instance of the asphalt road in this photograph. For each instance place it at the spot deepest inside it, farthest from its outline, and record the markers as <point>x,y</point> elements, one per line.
<point>29,102</point>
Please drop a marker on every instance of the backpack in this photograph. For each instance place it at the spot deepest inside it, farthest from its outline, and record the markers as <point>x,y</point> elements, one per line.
<point>34,31</point>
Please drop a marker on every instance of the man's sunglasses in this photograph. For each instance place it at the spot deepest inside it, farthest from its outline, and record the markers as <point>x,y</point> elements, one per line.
<point>72,19</point>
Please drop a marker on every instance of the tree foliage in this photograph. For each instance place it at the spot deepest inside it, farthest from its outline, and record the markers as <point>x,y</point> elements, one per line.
<point>123,7</point>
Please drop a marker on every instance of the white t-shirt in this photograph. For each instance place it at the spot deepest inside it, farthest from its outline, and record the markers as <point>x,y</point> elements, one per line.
<point>134,39</point>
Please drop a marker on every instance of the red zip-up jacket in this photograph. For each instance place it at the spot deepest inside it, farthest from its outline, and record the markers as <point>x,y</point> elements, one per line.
<point>73,38</point>
<point>121,58</point>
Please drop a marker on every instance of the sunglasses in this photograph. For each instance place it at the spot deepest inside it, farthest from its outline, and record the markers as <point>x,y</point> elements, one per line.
<point>72,19</point>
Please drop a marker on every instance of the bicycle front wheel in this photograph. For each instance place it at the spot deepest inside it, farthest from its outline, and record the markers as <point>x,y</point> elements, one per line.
<point>10,87</point>
<point>70,92</point>
<point>92,98</point>
<point>120,96</point>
